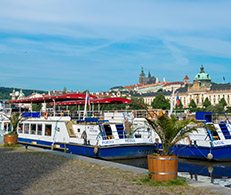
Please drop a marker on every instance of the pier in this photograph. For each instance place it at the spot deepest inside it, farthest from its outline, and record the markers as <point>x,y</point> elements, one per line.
<point>40,171</point>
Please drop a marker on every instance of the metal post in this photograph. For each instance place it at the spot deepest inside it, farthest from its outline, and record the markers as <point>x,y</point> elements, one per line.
<point>54,107</point>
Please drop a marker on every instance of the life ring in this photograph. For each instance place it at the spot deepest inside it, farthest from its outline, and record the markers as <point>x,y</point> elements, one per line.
<point>46,115</point>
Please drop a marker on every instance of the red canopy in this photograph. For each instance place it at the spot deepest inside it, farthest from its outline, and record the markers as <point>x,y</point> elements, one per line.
<point>59,98</point>
<point>113,100</point>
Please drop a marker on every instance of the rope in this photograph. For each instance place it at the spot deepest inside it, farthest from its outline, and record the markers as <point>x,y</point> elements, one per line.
<point>200,151</point>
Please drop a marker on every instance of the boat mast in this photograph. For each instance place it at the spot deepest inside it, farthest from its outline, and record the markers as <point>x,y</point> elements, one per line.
<point>172,104</point>
<point>85,106</point>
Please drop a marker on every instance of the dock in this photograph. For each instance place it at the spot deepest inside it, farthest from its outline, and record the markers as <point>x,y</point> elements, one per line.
<point>42,171</point>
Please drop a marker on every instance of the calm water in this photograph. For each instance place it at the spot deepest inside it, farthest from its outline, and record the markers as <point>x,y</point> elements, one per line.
<point>214,172</point>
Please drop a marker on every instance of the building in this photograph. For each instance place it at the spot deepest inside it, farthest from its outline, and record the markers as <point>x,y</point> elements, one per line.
<point>201,88</point>
<point>146,80</point>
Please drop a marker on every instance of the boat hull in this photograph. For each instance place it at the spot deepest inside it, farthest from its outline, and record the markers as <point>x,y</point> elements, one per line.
<point>219,153</point>
<point>109,152</point>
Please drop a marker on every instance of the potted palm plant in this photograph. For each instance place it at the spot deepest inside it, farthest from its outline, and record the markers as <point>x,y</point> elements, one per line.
<point>164,166</point>
<point>11,138</point>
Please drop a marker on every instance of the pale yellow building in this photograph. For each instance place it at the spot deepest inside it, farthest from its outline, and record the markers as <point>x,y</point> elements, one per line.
<point>201,88</point>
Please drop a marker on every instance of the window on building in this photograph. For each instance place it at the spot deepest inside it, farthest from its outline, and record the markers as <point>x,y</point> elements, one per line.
<point>48,130</point>
<point>39,129</point>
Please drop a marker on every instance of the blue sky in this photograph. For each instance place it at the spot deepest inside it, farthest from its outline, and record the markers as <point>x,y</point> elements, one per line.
<point>95,45</point>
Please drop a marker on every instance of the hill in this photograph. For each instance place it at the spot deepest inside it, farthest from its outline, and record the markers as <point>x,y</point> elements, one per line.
<point>5,92</point>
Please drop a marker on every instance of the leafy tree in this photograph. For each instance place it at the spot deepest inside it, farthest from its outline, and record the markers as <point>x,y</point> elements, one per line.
<point>228,109</point>
<point>64,90</point>
<point>206,103</point>
<point>180,106</point>
<point>86,91</point>
<point>160,102</point>
<point>192,104</point>
<point>216,108</point>
<point>36,107</point>
<point>136,103</point>
<point>223,102</point>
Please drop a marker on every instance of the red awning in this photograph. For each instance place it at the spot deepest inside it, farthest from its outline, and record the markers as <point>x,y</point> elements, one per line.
<point>58,98</point>
<point>113,100</point>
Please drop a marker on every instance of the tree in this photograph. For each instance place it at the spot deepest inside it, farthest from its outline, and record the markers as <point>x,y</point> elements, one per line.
<point>15,119</point>
<point>136,103</point>
<point>228,109</point>
<point>222,102</point>
<point>192,104</point>
<point>170,131</point>
<point>160,102</point>
<point>180,105</point>
<point>36,107</point>
<point>64,90</point>
<point>216,108</point>
<point>206,103</point>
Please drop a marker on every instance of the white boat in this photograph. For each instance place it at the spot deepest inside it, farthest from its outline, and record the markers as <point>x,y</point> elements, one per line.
<point>105,135</point>
<point>206,144</point>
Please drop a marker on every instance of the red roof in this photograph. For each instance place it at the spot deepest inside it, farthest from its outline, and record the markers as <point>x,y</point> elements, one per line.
<point>76,96</point>
<point>113,100</point>
<point>186,77</point>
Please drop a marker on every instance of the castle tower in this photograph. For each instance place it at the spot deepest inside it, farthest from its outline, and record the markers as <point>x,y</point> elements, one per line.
<point>142,75</point>
<point>157,80</point>
<point>13,95</point>
<point>164,81</point>
<point>186,80</point>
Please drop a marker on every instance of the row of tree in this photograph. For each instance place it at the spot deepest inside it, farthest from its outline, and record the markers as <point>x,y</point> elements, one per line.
<point>160,102</point>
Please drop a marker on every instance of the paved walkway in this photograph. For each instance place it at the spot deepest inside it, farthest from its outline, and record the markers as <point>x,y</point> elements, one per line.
<point>50,172</point>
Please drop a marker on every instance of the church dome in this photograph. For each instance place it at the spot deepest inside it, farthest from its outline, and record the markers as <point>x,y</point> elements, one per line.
<point>202,75</point>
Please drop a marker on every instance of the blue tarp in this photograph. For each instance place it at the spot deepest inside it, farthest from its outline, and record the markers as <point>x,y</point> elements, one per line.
<point>31,114</point>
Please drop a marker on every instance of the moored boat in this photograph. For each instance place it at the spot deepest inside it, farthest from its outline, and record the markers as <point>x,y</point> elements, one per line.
<point>104,135</point>
<point>205,143</point>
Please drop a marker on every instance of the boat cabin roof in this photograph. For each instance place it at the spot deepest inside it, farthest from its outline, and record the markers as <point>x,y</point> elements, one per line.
<point>113,100</point>
<point>58,98</point>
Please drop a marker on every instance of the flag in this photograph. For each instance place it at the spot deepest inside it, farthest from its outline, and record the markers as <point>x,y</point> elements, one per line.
<point>178,100</point>
<point>88,101</point>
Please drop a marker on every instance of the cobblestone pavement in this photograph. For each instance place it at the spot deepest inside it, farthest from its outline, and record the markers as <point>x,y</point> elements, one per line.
<point>33,172</point>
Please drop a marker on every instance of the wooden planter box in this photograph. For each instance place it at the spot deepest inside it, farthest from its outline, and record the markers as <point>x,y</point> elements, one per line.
<point>10,139</point>
<point>163,168</point>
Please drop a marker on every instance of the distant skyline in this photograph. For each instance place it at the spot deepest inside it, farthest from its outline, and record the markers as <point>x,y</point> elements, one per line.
<point>96,45</point>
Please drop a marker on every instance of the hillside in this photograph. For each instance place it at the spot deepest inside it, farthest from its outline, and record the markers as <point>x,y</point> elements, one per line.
<point>5,92</point>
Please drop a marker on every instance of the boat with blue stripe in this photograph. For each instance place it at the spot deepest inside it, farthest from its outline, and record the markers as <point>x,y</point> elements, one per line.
<point>204,143</point>
<point>99,134</point>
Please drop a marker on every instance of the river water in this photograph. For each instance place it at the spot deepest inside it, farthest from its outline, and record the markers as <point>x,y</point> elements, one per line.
<point>213,172</point>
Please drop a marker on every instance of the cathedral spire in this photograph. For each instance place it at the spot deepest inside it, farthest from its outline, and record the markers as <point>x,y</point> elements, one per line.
<point>142,71</point>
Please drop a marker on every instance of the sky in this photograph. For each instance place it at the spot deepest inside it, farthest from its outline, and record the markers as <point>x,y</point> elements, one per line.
<point>98,44</point>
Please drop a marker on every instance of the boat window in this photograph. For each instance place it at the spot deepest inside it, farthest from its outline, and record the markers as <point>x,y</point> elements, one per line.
<point>39,132</point>
<point>48,130</point>
<point>26,128</point>
<point>32,129</point>
<point>20,128</point>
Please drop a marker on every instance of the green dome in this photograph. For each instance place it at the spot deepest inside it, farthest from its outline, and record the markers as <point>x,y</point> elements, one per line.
<point>202,75</point>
